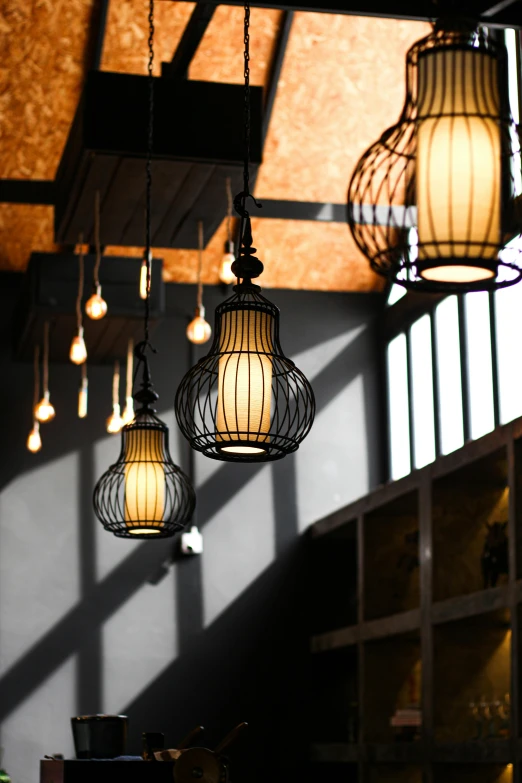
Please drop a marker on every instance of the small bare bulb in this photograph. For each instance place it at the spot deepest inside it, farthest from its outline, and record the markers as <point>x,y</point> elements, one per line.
<point>44,411</point>
<point>143,280</point>
<point>114,422</point>
<point>199,330</point>
<point>96,306</point>
<point>34,441</point>
<point>82,400</point>
<point>128,411</point>
<point>226,274</point>
<point>78,352</point>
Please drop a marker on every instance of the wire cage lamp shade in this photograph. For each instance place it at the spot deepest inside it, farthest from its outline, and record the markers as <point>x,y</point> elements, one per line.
<point>144,494</point>
<point>245,401</point>
<point>435,203</point>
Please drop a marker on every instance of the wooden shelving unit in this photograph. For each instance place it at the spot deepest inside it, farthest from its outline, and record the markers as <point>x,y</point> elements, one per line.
<point>400,616</point>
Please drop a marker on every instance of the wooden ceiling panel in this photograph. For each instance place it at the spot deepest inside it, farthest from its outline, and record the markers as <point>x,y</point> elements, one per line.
<point>43,51</point>
<point>125,45</point>
<point>342,84</point>
<point>220,54</point>
<point>24,229</point>
<point>296,254</point>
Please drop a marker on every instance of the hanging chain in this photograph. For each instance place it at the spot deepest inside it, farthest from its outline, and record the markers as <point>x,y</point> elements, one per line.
<point>148,254</point>
<point>80,283</point>
<point>36,393</point>
<point>230,205</point>
<point>200,263</point>
<point>246,41</point>
<point>46,358</point>
<point>97,238</point>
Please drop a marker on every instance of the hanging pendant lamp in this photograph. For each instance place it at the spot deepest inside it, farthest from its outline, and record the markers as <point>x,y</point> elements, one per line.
<point>144,494</point>
<point>44,410</point>
<point>433,203</point>
<point>226,274</point>
<point>34,440</point>
<point>78,350</point>
<point>96,306</point>
<point>245,401</point>
<point>83,393</point>
<point>199,330</point>
<point>128,411</point>
<point>115,422</point>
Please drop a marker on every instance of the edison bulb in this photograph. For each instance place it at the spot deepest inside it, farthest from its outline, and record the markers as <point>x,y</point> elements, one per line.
<point>226,274</point>
<point>199,330</point>
<point>114,422</point>
<point>128,411</point>
<point>34,441</point>
<point>143,280</point>
<point>78,352</point>
<point>96,306</point>
<point>44,411</point>
<point>82,401</point>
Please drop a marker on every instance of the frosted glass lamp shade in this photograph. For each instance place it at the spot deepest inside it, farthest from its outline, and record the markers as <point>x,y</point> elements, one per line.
<point>78,351</point>
<point>96,306</point>
<point>34,440</point>
<point>226,275</point>
<point>199,331</point>
<point>44,411</point>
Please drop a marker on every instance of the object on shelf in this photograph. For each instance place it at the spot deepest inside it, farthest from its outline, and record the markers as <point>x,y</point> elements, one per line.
<point>495,555</point>
<point>99,736</point>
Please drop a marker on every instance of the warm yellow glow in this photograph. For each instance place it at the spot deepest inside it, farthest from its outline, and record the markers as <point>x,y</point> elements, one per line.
<point>226,274</point>
<point>96,306</point>
<point>144,481</point>
<point>114,422</point>
<point>199,330</point>
<point>82,401</point>
<point>44,411</point>
<point>244,381</point>
<point>143,280</point>
<point>34,441</point>
<point>128,411</point>
<point>78,352</point>
<point>458,165</point>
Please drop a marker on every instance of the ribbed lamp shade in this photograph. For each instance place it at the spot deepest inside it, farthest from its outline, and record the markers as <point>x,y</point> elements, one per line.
<point>245,401</point>
<point>144,494</point>
<point>433,203</point>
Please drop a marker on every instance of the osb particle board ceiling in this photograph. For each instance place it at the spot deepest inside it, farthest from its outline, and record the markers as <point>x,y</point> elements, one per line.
<point>341,84</point>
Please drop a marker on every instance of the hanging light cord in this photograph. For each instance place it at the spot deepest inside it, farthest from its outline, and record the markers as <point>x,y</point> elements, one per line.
<point>80,283</point>
<point>229,209</point>
<point>84,373</point>
<point>148,166</point>
<point>36,375</point>
<point>246,41</point>
<point>200,263</point>
<point>129,379</point>
<point>97,239</point>
<point>116,384</point>
<point>46,357</point>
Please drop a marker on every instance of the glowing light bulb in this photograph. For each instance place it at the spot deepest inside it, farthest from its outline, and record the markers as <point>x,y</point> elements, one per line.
<point>78,352</point>
<point>34,441</point>
<point>143,280</point>
<point>44,411</point>
<point>128,411</point>
<point>226,274</point>
<point>199,330</point>
<point>114,422</point>
<point>82,400</point>
<point>96,306</point>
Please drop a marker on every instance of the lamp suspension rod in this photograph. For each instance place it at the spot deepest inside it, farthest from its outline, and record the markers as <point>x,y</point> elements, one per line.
<point>97,239</point>
<point>46,357</point>
<point>36,377</point>
<point>80,283</point>
<point>200,263</point>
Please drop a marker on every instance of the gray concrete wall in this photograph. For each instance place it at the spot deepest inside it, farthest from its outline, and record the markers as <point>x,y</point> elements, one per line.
<point>90,623</point>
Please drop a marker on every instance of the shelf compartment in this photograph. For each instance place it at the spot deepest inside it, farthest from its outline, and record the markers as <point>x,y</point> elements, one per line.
<point>392,681</point>
<point>391,551</point>
<point>333,708</point>
<point>471,665</point>
<point>464,503</point>
<point>333,581</point>
<point>374,629</point>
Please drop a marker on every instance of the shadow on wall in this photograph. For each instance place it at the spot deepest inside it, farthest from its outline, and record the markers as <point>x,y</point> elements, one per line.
<point>246,664</point>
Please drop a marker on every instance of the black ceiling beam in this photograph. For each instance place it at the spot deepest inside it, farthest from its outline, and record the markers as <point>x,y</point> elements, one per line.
<point>276,67</point>
<point>190,40</point>
<point>300,210</point>
<point>27,191</point>
<point>102,12</point>
<point>418,10</point>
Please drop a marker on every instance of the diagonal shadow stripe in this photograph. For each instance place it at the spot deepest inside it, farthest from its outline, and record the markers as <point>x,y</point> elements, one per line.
<point>75,629</point>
